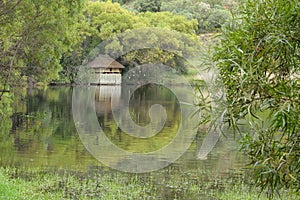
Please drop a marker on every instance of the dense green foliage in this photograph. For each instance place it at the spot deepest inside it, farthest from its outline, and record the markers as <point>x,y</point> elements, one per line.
<point>42,38</point>
<point>259,63</point>
<point>210,14</point>
<point>209,18</point>
<point>104,20</point>
<point>147,5</point>
<point>33,37</point>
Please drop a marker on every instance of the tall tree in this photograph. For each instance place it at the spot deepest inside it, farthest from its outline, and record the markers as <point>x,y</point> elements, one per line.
<point>259,63</point>
<point>33,37</point>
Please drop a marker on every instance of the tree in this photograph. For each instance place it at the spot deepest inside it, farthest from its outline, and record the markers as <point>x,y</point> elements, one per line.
<point>259,63</point>
<point>209,18</point>
<point>104,20</point>
<point>217,18</point>
<point>147,5</point>
<point>33,37</point>
<point>101,21</point>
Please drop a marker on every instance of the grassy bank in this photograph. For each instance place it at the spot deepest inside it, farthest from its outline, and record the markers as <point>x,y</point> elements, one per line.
<point>38,184</point>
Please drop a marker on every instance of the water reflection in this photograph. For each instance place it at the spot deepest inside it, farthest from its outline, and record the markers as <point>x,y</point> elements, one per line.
<point>140,103</point>
<point>103,98</point>
<point>41,132</point>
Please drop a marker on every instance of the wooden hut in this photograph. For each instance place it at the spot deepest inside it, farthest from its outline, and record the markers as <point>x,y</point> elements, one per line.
<point>107,71</point>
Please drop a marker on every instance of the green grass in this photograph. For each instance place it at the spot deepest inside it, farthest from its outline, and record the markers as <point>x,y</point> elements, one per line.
<point>39,184</point>
<point>17,188</point>
<point>8,190</point>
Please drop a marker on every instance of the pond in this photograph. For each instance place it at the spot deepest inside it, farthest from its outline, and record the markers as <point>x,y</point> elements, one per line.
<point>44,135</point>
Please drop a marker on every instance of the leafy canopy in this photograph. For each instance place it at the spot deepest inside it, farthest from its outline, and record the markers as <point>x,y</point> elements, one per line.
<point>33,37</point>
<point>259,63</point>
<point>209,16</point>
<point>104,20</point>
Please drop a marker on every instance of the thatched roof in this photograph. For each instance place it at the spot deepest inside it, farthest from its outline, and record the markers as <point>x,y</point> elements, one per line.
<point>103,61</point>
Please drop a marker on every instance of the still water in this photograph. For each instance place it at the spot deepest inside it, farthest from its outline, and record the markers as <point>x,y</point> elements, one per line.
<point>42,132</point>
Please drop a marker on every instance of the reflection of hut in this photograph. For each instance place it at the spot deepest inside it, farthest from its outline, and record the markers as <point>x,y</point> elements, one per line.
<point>107,70</point>
<point>103,98</point>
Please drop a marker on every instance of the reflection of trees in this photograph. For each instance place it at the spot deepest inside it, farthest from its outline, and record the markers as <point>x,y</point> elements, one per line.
<point>6,141</point>
<point>146,96</point>
<point>44,132</point>
<point>141,101</point>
